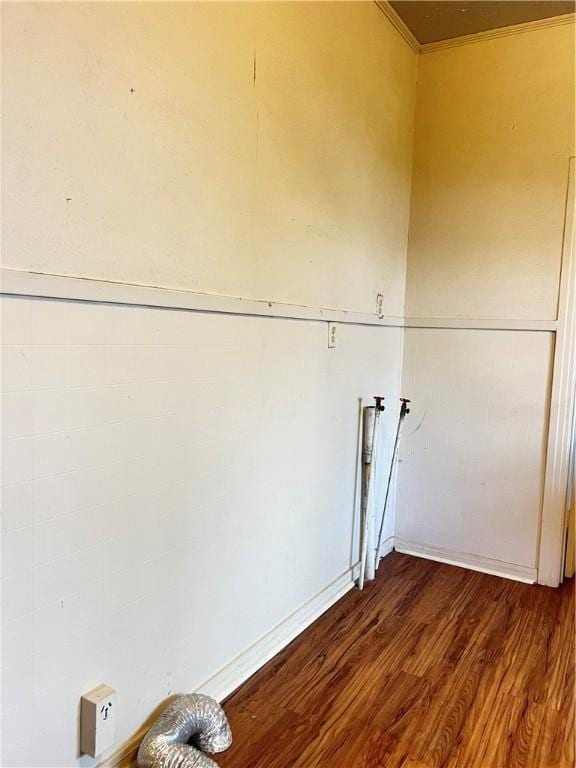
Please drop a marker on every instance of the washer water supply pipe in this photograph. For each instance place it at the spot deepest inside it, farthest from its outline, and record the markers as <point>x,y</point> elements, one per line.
<point>370,420</point>
<point>404,411</point>
<point>188,728</point>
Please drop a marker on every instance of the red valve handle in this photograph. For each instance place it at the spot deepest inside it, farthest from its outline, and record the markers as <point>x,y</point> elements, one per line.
<point>379,402</point>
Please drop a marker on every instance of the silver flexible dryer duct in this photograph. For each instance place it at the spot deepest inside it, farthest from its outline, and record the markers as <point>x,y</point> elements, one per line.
<point>189,727</point>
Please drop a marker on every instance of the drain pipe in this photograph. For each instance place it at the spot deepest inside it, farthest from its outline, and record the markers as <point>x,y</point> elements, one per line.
<point>370,420</point>
<point>187,729</point>
<point>404,411</point>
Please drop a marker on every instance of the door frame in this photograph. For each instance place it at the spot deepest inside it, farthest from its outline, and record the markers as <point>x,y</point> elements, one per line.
<point>553,521</point>
<point>568,563</point>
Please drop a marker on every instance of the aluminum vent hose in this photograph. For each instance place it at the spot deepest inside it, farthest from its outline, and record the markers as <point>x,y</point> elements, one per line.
<point>187,729</point>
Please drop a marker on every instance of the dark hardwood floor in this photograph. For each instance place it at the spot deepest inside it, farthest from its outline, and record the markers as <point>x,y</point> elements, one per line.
<point>431,666</point>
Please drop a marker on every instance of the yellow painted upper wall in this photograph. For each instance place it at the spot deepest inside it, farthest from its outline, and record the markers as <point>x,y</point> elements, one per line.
<point>494,133</point>
<point>256,150</point>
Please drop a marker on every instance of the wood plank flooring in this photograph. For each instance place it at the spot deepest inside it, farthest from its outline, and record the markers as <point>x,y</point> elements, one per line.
<point>431,666</point>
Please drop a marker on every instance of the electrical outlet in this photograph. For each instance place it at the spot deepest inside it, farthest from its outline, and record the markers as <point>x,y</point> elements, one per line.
<point>331,335</point>
<point>98,720</point>
<point>380,305</point>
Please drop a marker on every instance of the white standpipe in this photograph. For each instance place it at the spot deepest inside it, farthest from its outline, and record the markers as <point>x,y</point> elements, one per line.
<point>370,421</point>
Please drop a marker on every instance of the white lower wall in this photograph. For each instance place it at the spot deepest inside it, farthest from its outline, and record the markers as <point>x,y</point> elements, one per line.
<point>175,485</point>
<point>473,451</point>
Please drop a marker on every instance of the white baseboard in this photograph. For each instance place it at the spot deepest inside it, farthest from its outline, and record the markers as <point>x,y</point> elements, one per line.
<point>387,547</point>
<point>237,671</point>
<point>467,560</point>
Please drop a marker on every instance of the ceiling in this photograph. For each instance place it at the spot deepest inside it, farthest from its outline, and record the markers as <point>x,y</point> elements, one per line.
<point>433,20</point>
